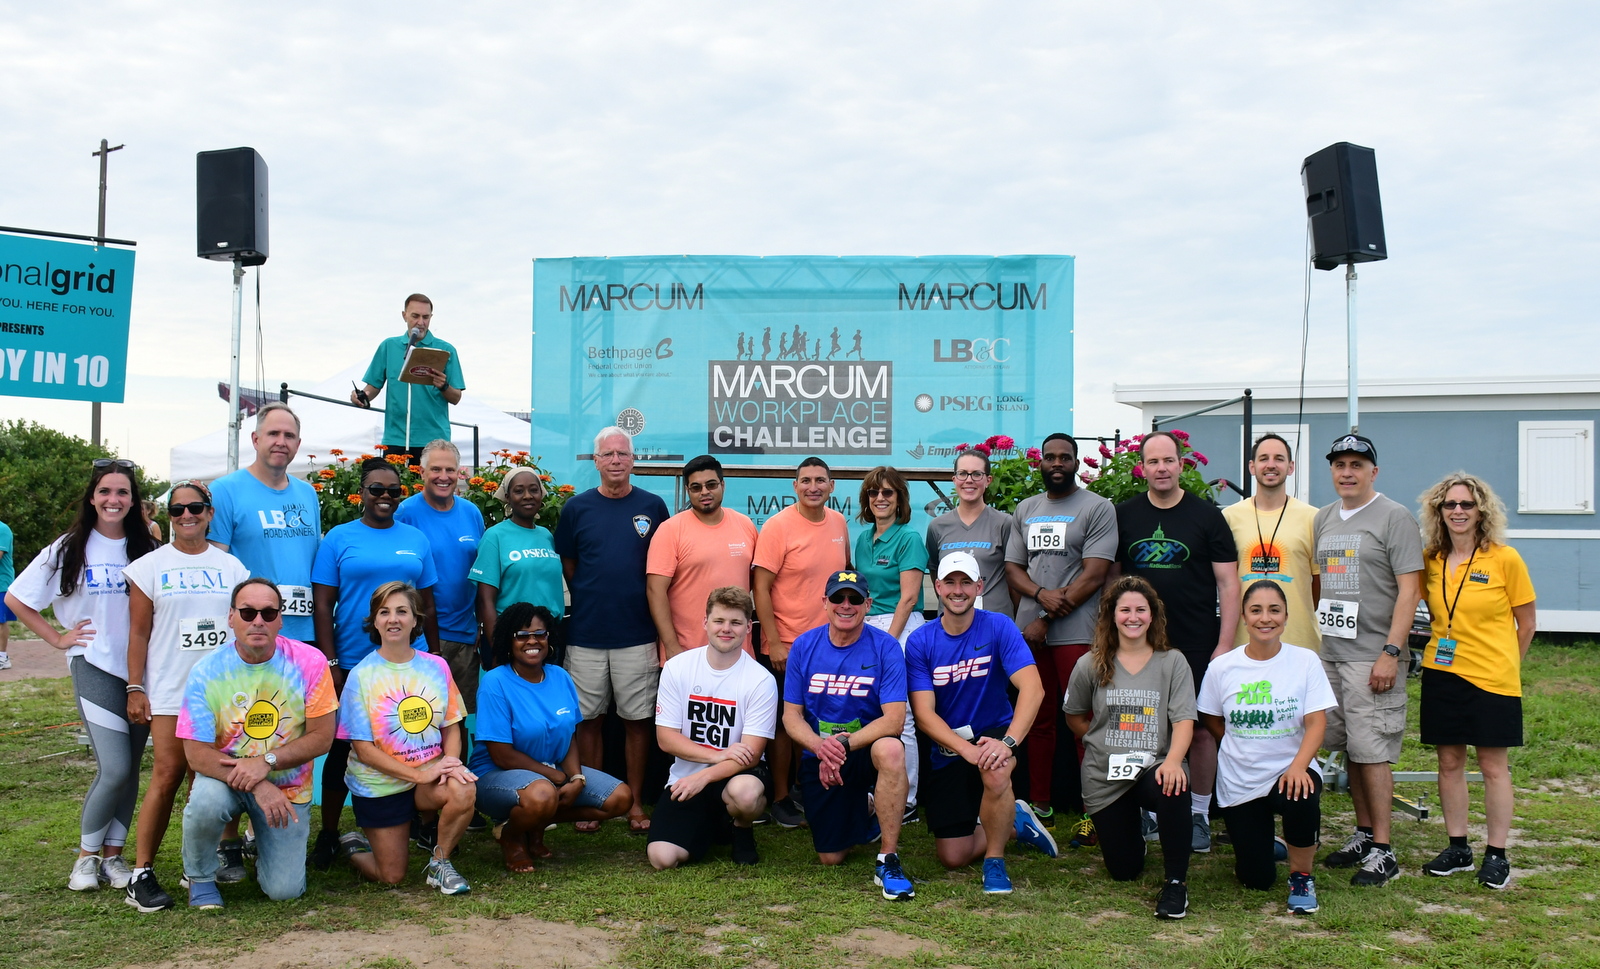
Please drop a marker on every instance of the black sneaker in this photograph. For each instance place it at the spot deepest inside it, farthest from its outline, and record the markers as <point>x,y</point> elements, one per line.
<point>427,836</point>
<point>1174,902</point>
<point>146,894</point>
<point>787,814</point>
<point>478,822</point>
<point>1355,851</point>
<point>1379,868</point>
<point>230,855</point>
<point>912,816</point>
<point>325,849</point>
<point>1451,860</point>
<point>1495,873</point>
<point>744,847</point>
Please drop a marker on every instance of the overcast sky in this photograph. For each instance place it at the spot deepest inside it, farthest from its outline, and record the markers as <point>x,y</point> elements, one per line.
<point>437,148</point>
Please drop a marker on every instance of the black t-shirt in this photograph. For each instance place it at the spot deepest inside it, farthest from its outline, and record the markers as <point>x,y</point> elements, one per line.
<point>1173,549</point>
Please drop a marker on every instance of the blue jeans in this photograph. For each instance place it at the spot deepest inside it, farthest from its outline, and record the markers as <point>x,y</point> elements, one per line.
<point>497,789</point>
<point>280,852</point>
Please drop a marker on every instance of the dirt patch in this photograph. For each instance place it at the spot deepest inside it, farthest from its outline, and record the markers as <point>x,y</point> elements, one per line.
<point>865,946</point>
<point>1438,909</point>
<point>474,943</point>
<point>1196,936</point>
<point>1410,938</point>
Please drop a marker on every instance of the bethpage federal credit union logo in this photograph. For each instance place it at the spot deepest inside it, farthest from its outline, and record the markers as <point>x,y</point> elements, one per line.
<point>822,405</point>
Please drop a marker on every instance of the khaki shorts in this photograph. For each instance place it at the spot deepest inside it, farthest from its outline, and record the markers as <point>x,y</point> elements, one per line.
<point>629,674</point>
<point>463,660</point>
<point>1366,725</point>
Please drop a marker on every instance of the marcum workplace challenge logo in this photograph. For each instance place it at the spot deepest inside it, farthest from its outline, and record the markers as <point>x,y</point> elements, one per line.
<point>811,406</point>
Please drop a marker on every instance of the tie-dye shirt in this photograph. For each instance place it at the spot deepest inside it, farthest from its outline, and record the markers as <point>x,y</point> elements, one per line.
<point>402,708</point>
<point>246,710</point>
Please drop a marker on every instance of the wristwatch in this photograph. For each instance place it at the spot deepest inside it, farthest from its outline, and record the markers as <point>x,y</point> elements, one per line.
<point>271,759</point>
<point>1390,649</point>
<point>1010,744</point>
<point>844,740</point>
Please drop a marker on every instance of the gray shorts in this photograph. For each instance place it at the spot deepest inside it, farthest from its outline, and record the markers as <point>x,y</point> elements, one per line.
<point>463,660</point>
<point>1368,726</point>
<point>629,675</point>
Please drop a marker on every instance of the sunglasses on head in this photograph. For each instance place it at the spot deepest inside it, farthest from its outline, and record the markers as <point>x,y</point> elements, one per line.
<point>122,463</point>
<point>379,491</point>
<point>1463,505</point>
<point>523,635</point>
<point>196,508</point>
<point>845,595</point>
<point>249,613</point>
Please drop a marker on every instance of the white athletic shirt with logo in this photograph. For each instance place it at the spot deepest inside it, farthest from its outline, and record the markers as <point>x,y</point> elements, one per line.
<point>1264,705</point>
<point>192,595</point>
<point>101,597</point>
<point>714,708</point>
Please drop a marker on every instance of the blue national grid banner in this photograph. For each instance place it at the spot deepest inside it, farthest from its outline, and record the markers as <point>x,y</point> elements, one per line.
<point>64,319</point>
<point>861,360</point>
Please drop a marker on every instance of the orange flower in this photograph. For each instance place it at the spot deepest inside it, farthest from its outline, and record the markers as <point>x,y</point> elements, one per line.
<point>522,454</point>
<point>335,451</point>
<point>312,458</point>
<point>368,457</point>
<point>546,478</point>
<point>353,499</point>
<point>327,473</point>
<point>566,489</point>
<point>317,485</point>
<point>343,460</point>
<point>414,468</point>
<point>475,482</point>
<point>416,489</point>
<point>395,459</point>
<point>381,447</point>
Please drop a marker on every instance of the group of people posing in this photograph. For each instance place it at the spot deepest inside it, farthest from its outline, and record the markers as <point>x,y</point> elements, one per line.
<point>252,644</point>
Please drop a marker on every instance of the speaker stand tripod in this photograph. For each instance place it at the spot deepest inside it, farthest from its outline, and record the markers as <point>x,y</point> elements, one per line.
<point>233,371</point>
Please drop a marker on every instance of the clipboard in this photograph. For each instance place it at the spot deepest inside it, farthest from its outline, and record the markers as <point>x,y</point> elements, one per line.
<point>418,357</point>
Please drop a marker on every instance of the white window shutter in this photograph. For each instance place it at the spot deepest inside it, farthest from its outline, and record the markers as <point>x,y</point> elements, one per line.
<point>1555,467</point>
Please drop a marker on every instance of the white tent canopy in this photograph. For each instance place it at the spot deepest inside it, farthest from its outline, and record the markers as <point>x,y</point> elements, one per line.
<point>325,426</point>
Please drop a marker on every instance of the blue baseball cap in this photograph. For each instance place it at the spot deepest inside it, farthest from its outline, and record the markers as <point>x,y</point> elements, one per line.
<point>847,580</point>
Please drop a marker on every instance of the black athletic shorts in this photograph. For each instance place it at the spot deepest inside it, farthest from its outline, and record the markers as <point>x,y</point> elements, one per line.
<point>1456,711</point>
<point>388,811</point>
<point>838,815</point>
<point>703,820</point>
<point>952,795</point>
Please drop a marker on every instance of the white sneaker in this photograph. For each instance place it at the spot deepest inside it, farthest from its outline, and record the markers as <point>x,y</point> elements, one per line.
<point>5,661</point>
<point>116,870</point>
<point>85,874</point>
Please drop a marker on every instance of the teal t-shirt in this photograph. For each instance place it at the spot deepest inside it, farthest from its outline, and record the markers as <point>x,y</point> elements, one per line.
<point>522,563</point>
<point>430,420</point>
<point>881,561</point>
<point>8,568</point>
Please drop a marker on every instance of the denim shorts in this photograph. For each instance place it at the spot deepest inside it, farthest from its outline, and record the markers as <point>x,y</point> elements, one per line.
<point>497,789</point>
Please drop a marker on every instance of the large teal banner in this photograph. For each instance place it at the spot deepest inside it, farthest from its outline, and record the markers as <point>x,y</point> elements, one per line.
<point>64,319</point>
<point>861,360</point>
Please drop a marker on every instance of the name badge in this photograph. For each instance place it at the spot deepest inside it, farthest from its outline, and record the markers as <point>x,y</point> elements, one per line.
<point>202,633</point>
<point>1337,618</point>
<point>1126,767</point>
<point>1266,563</point>
<point>1445,653</point>
<point>296,600</point>
<point>1047,536</point>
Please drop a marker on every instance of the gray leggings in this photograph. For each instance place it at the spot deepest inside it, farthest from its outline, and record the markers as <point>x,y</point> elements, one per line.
<point>118,754</point>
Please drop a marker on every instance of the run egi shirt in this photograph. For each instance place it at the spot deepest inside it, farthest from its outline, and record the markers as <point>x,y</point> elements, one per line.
<point>842,689</point>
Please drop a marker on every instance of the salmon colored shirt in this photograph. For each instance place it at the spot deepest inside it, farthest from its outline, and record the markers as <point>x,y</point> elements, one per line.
<point>801,554</point>
<point>698,558</point>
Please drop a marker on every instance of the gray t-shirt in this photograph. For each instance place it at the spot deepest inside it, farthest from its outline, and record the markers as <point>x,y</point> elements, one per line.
<point>986,539</point>
<point>1358,560</point>
<point>1134,714</point>
<point>1052,538</point>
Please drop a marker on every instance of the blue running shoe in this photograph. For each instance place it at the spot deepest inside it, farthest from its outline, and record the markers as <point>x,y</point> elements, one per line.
<point>1302,893</point>
<point>1280,849</point>
<point>995,879</point>
<point>890,877</point>
<point>1031,831</point>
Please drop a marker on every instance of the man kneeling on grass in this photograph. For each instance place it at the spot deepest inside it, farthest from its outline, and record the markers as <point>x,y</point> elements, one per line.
<point>254,717</point>
<point>715,711</point>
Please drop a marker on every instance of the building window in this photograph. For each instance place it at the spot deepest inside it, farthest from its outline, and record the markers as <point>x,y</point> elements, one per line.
<point>1555,467</point>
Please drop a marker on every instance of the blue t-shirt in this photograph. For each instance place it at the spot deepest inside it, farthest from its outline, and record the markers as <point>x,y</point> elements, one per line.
<point>968,674</point>
<point>610,539</point>
<point>453,536</point>
<point>538,719</point>
<point>356,558</point>
<point>844,688</point>
<point>275,534</point>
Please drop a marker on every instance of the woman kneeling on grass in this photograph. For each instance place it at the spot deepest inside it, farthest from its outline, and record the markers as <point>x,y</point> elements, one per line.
<point>1265,703</point>
<point>527,716</point>
<point>1131,700</point>
<point>401,713</point>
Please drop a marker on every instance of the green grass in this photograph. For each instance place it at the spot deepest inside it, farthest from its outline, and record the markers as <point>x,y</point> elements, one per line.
<point>789,911</point>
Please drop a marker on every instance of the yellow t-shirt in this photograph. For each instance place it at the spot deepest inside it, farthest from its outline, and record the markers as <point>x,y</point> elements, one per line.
<point>1292,545</point>
<point>1484,630</point>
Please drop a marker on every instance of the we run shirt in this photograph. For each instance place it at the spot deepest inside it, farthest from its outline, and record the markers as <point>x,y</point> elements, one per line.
<point>801,554</point>
<point>275,533</point>
<point>356,558</point>
<point>522,565</point>
<point>536,719</point>
<point>986,540</point>
<point>1174,549</point>
<point>1279,546</point>
<point>715,708</point>
<point>430,413</point>
<point>1359,559</point>
<point>881,559</point>
<point>609,539</point>
<point>968,674</point>
<point>1483,591</point>
<point>453,538</point>
<point>101,597</point>
<point>192,595</point>
<point>402,708</point>
<point>1264,705</point>
<point>247,710</point>
<point>842,689</point>
<point>1133,714</point>
<point>1052,538</point>
<point>699,558</point>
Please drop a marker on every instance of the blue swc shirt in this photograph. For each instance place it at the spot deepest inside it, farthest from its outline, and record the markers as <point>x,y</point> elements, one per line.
<point>356,558</point>
<point>453,535</point>
<point>610,539</point>
<point>538,719</point>
<point>968,674</point>
<point>275,534</point>
<point>844,688</point>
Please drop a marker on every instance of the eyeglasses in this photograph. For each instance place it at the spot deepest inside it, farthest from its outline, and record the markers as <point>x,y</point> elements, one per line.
<point>195,508</point>
<point>608,455</point>
<point>249,613</point>
<point>379,491</point>
<point>122,463</point>
<point>879,493</point>
<point>699,487</point>
<point>523,635</point>
<point>1463,505</point>
<point>971,475</point>
<point>842,596</point>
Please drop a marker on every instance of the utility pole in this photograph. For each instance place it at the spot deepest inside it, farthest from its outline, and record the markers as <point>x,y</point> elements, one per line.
<point>100,239</point>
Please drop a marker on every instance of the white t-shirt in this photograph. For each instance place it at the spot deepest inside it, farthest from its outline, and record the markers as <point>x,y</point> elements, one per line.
<point>192,594</point>
<point>714,708</point>
<point>1264,703</point>
<point>101,597</point>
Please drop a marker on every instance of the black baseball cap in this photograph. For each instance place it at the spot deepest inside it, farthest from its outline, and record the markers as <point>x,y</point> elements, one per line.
<point>1355,444</point>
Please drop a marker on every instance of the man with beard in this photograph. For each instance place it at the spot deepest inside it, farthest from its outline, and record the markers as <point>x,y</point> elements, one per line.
<point>701,548</point>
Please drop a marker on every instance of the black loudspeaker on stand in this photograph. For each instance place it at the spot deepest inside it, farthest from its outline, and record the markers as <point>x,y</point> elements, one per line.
<point>1341,185</point>
<point>231,206</point>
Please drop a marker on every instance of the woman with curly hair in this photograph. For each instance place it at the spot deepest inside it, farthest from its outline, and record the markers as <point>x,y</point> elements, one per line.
<point>1482,603</point>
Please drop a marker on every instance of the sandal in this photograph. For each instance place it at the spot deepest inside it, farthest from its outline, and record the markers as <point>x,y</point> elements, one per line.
<point>586,827</point>
<point>639,825</point>
<point>517,859</point>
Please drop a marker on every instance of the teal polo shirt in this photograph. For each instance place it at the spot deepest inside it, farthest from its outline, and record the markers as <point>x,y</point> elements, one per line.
<point>430,418</point>
<point>880,562</point>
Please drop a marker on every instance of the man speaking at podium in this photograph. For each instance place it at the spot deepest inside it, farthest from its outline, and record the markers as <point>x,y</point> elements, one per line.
<point>426,403</point>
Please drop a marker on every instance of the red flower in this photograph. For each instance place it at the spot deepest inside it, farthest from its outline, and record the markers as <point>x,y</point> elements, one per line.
<point>1004,443</point>
<point>1181,435</point>
<point>1033,454</point>
<point>1085,479</point>
<point>1199,457</point>
<point>1188,462</point>
<point>1091,463</point>
<point>1138,471</point>
<point>962,447</point>
<point>982,449</point>
<point>1105,452</point>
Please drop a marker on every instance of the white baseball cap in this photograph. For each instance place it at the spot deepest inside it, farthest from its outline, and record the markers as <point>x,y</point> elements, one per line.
<point>960,562</point>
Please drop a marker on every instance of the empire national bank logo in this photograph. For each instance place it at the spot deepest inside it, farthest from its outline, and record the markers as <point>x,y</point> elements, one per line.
<point>1158,552</point>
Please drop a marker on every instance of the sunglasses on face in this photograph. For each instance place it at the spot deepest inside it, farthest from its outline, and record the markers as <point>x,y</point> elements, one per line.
<point>523,635</point>
<point>841,597</point>
<point>1463,505</point>
<point>122,463</point>
<point>195,508</point>
<point>880,493</point>
<point>379,491</point>
<point>249,613</point>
